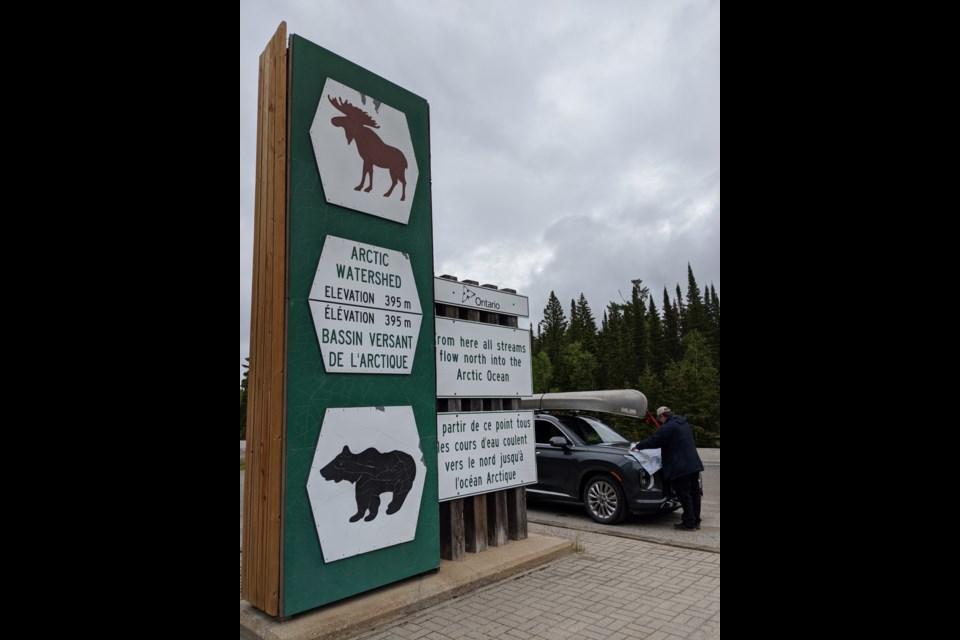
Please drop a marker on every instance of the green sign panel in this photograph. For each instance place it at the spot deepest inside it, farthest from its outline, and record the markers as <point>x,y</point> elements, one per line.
<point>361,472</point>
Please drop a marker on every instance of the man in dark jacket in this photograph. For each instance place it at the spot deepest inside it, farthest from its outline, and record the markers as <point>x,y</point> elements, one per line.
<point>681,463</point>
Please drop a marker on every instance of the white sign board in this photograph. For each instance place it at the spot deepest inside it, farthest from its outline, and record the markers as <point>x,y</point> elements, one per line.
<point>366,480</point>
<point>492,300</point>
<point>364,153</point>
<point>365,308</point>
<point>483,452</point>
<point>482,360</point>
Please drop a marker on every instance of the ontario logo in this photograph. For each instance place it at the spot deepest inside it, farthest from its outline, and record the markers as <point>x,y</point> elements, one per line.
<point>364,153</point>
<point>470,294</point>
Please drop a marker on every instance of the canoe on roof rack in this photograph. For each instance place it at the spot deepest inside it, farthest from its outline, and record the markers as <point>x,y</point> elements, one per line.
<point>623,402</point>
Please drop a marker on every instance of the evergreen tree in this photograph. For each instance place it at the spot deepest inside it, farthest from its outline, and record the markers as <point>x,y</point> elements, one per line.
<point>605,354</point>
<point>715,305</point>
<point>616,346</point>
<point>636,318</point>
<point>708,312</point>
<point>575,328</point>
<point>681,312</point>
<point>658,348</point>
<point>715,322</point>
<point>671,329</point>
<point>553,329</point>
<point>583,328</point>
<point>696,318</point>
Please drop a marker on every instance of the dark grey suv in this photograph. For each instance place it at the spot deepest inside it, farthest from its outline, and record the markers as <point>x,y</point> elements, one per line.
<point>581,459</point>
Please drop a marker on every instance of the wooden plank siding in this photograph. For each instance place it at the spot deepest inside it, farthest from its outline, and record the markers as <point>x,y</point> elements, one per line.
<point>472,524</point>
<point>263,482</point>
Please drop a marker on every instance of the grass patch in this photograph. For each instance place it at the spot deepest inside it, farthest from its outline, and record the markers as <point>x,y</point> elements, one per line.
<point>243,465</point>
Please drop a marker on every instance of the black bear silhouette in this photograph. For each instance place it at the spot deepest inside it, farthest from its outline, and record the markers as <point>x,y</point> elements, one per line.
<point>373,473</point>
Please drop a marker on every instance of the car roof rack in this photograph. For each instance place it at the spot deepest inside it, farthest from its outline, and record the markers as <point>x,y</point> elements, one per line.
<point>622,402</point>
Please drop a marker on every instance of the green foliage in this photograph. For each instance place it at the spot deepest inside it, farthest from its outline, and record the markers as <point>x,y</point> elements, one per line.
<point>542,373</point>
<point>652,387</point>
<point>672,355</point>
<point>581,368</point>
<point>243,401</point>
<point>705,438</point>
<point>692,386</point>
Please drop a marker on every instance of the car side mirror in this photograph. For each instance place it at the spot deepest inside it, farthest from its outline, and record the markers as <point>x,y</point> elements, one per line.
<point>559,441</point>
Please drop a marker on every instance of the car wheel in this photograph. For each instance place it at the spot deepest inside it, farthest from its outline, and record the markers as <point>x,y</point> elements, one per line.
<point>603,500</point>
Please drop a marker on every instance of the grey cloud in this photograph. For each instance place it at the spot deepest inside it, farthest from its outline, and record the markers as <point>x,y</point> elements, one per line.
<point>575,146</point>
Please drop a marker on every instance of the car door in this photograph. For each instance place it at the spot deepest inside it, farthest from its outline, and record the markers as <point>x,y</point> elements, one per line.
<point>553,463</point>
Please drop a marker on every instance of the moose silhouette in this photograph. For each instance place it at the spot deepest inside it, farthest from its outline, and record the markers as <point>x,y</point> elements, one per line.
<point>373,151</point>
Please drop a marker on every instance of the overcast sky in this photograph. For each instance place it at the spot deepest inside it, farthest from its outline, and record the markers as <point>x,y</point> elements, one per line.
<point>575,145</point>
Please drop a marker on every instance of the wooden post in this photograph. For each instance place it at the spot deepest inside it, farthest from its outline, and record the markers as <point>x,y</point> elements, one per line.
<point>475,507</point>
<point>516,498</point>
<point>517,513</point>
<point>497,520</point>
<point>261,580</point>
<point>475,523</point>
<point>452,533</point>
<point>496,504</point>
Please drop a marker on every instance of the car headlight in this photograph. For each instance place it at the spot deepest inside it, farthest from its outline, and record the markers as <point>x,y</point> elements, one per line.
<point>646,480</point>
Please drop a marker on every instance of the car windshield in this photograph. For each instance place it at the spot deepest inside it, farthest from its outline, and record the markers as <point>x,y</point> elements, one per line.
<point>591,431</point>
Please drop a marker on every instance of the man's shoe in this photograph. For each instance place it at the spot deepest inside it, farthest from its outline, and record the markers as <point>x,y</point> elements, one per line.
<point>682,527</point>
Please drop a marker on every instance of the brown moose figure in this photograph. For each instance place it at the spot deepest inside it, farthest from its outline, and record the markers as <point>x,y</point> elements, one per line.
<point>373,151</point>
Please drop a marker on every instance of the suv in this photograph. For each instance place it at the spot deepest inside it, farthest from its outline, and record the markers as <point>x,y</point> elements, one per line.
<point>581,459</point>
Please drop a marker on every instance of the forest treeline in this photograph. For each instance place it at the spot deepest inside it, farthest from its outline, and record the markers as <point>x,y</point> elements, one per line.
<point>670,352</point>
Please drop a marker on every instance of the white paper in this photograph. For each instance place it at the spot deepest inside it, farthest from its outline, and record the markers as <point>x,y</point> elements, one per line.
<point>649,459</point>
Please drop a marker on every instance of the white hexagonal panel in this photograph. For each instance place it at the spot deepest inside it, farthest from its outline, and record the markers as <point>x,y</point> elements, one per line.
<point>366,309</point>
<point>366,480</point>
<point>364,153</point>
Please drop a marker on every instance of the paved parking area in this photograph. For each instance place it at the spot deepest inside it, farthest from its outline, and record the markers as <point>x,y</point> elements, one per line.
<point>615,588</point>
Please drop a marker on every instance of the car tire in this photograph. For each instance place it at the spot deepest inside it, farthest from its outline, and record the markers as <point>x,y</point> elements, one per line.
<point>603,499</point>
